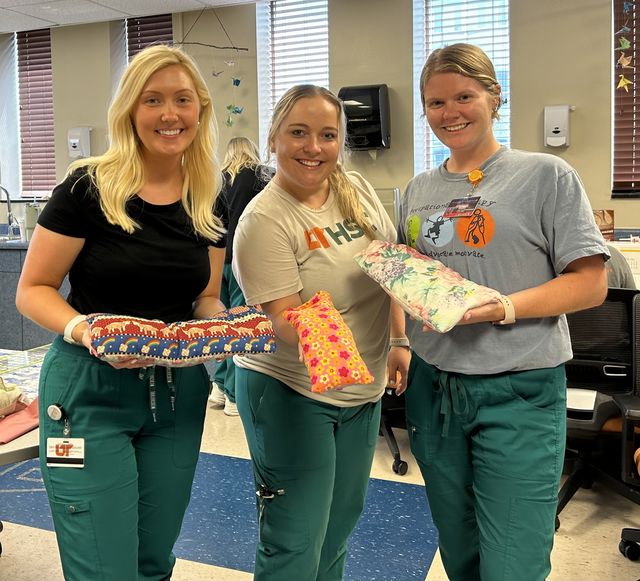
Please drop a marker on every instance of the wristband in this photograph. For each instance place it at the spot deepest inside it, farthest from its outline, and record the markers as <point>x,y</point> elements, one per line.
<point>70,326</point>
<point>509,311</point>
<point>399,342</point>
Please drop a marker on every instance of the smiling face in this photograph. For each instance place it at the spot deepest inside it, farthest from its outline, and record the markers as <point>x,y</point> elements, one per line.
<point>306,147</point>
<point>167,112</point>
<point>460,111</point>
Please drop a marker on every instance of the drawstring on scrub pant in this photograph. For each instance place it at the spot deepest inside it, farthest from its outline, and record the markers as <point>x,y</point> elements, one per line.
<point>149,374</point>
<point>454,398</point>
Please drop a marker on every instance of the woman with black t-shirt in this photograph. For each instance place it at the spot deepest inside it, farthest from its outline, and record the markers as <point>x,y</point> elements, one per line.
<point>135,232</point>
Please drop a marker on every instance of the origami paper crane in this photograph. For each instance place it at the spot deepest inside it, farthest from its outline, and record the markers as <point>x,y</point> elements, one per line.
<point>623,82</point>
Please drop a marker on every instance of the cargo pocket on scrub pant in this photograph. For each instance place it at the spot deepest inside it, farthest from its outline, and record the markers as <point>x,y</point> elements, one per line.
<point>531,529</point>
<point>75,528</point>
<point>418,415</point>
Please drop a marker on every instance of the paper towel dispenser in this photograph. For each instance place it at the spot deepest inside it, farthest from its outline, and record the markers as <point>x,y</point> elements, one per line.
<point>368,120</point>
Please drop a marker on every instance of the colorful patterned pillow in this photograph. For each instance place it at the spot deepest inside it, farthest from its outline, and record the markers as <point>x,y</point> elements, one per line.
<point>236,330</point>
<point>329,349</point>
<point>424,287</point>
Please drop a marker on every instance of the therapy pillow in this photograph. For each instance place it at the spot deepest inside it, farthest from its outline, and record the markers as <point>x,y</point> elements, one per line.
<point>236,330</point>
<point>424,287</point>
<point>328,348</point>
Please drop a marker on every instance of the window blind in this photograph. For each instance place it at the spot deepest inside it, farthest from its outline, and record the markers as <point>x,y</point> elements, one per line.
<point>438,23</point>
<point>293,48</point>
<point>35,95</point>
<point>626,115</point>
<point>147,30</point>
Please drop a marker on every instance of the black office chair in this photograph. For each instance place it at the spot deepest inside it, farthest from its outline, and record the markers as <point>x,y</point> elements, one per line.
<point>393,415</point>
<point>606,359</point>
<point>630,416</point>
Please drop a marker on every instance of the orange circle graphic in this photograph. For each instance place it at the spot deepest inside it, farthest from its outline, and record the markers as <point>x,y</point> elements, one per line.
<point>476,231</point>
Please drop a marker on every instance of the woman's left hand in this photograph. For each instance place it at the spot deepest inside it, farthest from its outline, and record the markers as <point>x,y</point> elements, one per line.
<point>398,368</point>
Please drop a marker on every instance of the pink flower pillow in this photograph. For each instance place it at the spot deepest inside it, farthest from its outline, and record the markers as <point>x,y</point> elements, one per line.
<point>329,349</point>
<point>424,287</point>
<point>236,330</point>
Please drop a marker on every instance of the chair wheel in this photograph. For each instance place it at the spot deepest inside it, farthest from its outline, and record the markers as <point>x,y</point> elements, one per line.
<point>400,467</point>
<point>557,522</point>
<point>630,550</point>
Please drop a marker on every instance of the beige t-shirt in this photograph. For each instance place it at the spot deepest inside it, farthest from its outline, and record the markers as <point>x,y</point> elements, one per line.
<point>282,247</point>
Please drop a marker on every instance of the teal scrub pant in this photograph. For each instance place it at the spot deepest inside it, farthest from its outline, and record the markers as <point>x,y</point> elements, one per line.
<point>311,465</point>
<point>118,517</point>
<point>491,451</point>
<point>230,295</point>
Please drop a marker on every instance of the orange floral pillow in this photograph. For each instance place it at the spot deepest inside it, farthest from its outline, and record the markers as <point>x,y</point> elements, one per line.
<point>329,349</point>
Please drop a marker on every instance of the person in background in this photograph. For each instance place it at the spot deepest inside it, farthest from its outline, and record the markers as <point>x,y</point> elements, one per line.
<point>311,452</point>
<point>244,177</point>
<point>619,273</point>
<point>134,230</point>
<point>485,405</point>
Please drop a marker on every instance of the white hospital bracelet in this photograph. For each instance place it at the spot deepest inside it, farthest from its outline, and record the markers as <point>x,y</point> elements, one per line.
<point>70,326</point>
<point>509,311</point>
<point>399,342</point>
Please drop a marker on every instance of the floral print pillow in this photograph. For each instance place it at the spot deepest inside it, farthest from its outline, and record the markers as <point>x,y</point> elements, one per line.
<point>328,348</point>
<point>424,287</point>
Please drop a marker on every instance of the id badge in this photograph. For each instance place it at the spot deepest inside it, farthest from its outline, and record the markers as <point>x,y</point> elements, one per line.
<point>65,452</point>
<point>461,207</point>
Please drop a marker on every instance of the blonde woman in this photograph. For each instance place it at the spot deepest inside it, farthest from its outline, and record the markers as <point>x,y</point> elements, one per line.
<point>244,177</point>
<point>311,452</point>
<point>134,231</point>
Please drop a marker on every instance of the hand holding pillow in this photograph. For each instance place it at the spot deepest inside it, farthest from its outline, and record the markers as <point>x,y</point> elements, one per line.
<point>328,347</point>
<point>424,287</point>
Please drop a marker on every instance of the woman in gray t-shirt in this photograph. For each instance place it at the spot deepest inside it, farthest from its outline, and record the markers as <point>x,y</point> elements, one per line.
<point>486,401</point>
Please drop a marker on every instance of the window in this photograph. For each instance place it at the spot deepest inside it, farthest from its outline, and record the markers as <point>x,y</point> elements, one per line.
<point>294,40</point>
<point>148,30</point>
<point>626,114</point>
<point>35,97</point>
<point>437,23</point>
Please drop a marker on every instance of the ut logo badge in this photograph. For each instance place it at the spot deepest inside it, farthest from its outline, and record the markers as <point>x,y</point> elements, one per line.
<point>63,449</point>
<point>320,237</point>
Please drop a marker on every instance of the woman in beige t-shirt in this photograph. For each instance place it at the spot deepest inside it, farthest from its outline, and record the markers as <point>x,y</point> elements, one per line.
<point>311,452</point>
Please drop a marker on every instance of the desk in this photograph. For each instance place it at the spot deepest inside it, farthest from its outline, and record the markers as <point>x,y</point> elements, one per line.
<point>21,368</point>
<point>22,448</point>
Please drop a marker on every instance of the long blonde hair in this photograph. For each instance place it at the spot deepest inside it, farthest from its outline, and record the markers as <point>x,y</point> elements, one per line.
<point>347,195</point>
<point>119,173</point>
<point>241,153</point>
<point>467,60</point>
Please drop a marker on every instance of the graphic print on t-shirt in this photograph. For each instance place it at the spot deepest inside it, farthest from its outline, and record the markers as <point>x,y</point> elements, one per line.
<point>426,232</point>
<point>345,231</point>
<point>476,230</point>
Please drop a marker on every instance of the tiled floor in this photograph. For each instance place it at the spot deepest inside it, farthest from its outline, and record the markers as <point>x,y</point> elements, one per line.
<point>394,541</point>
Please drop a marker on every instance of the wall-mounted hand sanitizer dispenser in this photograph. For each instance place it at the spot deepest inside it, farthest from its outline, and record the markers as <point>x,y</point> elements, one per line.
<point>556,125</point>
<point>79,142</point>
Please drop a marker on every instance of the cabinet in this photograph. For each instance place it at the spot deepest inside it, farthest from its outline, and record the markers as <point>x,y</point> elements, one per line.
<point>16,331</point>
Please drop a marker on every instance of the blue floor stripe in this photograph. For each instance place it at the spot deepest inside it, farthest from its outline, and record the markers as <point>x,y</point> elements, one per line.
<point>395,539</point>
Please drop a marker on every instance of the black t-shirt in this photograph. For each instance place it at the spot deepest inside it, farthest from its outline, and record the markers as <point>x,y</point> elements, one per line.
<point>234,198</point>
<point>156,272</point>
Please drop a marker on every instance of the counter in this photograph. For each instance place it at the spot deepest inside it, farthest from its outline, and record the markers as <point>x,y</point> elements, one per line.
<point>21,368</point>
<point>13,245</point>
<point>16,331</point>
